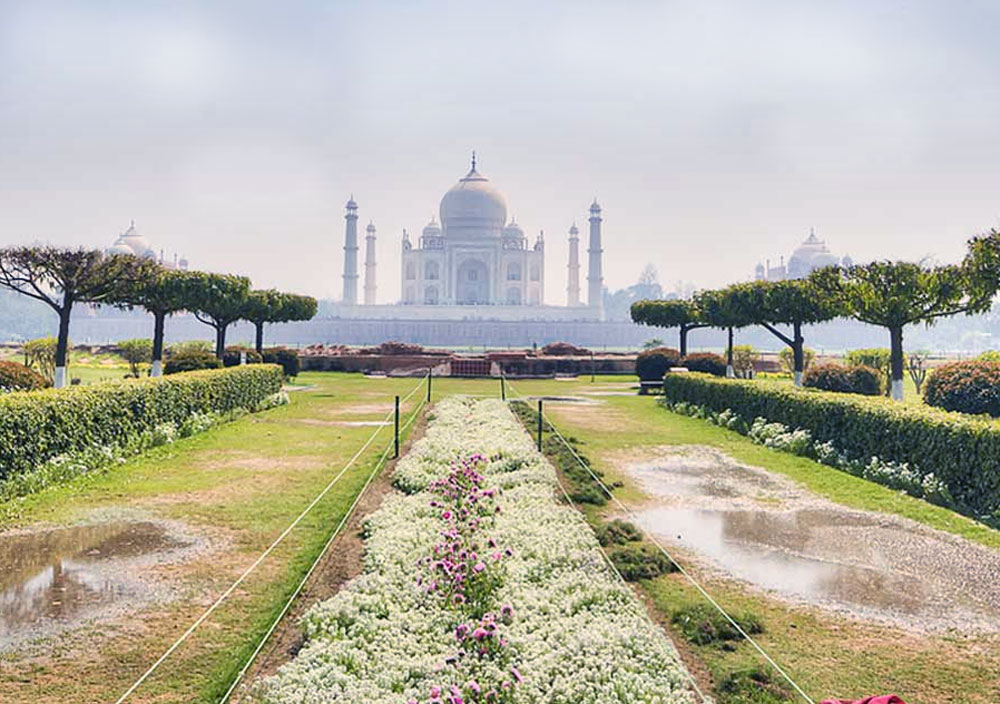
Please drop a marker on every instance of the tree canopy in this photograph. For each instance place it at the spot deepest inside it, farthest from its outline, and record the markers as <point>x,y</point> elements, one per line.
<point>673,313</point>
<point>163,293</point>
<point>218,300</point>
<point>272,306</point>
<point>62,277</point>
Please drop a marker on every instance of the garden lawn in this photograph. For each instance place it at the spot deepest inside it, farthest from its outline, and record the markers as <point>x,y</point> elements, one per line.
<point>827,654</point>
<point>240,484</point>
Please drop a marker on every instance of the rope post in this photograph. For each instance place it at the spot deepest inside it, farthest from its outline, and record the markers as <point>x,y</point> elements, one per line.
<point>503,390</point>
<point>430,374</point>
<point>592,366</point>
<point>539,425</point>
<point>395,454</point>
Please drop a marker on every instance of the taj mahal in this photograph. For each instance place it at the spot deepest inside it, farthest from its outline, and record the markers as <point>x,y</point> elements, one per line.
<point>472,262</point>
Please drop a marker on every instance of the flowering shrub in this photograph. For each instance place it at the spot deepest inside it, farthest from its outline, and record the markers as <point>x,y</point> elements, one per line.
<point>972,386</point>
<point>524,608</point>
<point>14,376</point>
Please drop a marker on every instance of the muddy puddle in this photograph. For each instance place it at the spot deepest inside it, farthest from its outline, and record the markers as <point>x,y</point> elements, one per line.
<point>56,578</point>
<point>767,531</point>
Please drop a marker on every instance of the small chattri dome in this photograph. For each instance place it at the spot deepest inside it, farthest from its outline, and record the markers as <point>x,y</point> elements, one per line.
<point>513,229</point>
<point>371,227</point>
<point>432,229</point>
<point>573,229</point>
<point>351,205</point>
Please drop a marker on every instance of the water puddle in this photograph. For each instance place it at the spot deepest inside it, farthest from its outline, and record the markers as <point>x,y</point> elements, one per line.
<point>764,530</point>
<point>54,578</point>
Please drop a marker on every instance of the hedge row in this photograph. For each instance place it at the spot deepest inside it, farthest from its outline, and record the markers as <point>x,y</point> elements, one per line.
<point>38,426</point>
<point>961,451</point>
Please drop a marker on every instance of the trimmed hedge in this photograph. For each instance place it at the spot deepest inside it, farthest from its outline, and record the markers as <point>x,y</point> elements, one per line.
<point>652,364</point>
<point>961,451</point>
<point>843,379</point>
<point>190,361</point>
<point>287,358</point>
<point>14,376</point>
<point>705,362</point>
<point>38,426</point>
<point>968,387</point>
<point>231,357</point>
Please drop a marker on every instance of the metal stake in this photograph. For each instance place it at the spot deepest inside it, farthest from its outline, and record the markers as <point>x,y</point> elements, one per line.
<point>503,390</point>
<point>430,374</point>
<point>539,425</point>
<point>396,427</point>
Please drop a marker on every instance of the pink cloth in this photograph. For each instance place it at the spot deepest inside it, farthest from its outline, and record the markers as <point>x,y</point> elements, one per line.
<point>885,699</point>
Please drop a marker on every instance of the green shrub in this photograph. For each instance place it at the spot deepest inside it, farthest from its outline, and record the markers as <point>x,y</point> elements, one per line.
<point>136,352</point>
<point>652,364</point>
<point>967,387</point>
<point>38,426</point>
<point>287,358</point>
<point>961,452</point>
<point>786,358</point>
<point>705,362</point>
<point>876,358</point>
<point>231,357</point>
<point>191,360</point>
<point>756,685</point>
<point>40,355</point>
<point>17,377</point>
<point>638,561</point>
<point>617,532</point>
<point>843,379</point>
<point>703,624</point>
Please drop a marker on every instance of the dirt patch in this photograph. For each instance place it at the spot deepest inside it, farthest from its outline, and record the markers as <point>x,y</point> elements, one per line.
<point>765,530</point>
<point>340,564</point>
<point>590,416</point>
<point>343,423</point>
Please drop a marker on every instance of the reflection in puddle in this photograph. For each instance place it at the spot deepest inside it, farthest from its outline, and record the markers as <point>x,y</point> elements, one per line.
<point>62,573</point>
<point>762,529</point>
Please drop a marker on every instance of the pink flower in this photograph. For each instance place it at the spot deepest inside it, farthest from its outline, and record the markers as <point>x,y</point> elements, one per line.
<point>474,686</point>
<point>446,515</point>
<point>435,691</point>
<point>479,567</point>
<point>517,675</point>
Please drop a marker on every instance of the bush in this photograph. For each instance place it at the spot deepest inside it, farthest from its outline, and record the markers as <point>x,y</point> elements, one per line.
<point>231,357</point>
<point>877,358</point>
<point>562,349</point>
<point>786,358</point>
<point>960,452</point>
<point>842,379</point>
<point>640,561</point>
<point>967,387</point>
<point>136,352</point>
<point>17,377</point>
<point>617,532</point>
<point>288,360</point>
<point>705,362</point>
<point>38,426</point>
<point>754,686</point>
<point>702,624</point>
<point>652,364</point>
<point>745,360</point>
<point>190,361</point>
<point>40,355</point>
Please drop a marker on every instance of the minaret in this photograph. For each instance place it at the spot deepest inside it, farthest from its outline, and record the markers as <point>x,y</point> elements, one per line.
<point>595,281</point>
<point>351,254</point>
<point>370,265</point>
<point>573,286</point>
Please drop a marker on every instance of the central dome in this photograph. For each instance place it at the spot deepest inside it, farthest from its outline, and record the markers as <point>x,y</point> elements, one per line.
<point>473,208</point>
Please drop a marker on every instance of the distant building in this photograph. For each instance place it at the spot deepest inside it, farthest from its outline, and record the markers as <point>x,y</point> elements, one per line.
<point>131,242</point>
<point>810,255</point>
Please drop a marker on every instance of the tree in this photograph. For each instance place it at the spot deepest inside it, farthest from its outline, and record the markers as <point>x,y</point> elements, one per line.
<point>896,294</point>
<point>652,343</point>
<point>745,360</point>
<point>40,355</point>
<point>136,352</point>
<point>164,293</point>
<point>722,309</point>
<point>794,302</point>
<point>62,277</point>
<point>218,300</point>
<point>270,306</point>
<point>917,366</point>
<point>681,314</point>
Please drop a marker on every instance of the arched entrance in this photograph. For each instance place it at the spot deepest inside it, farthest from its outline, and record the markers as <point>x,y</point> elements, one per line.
<point>473,285</point>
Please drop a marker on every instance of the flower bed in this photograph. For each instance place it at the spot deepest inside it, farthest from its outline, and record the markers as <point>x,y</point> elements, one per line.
<point>478,586</point>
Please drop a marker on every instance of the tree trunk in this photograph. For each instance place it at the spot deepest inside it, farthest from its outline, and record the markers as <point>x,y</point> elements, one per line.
<point>798,353</point>
<point>62,346</point>
<point>684,340</point>
<point>260,337</point>
<point>896,363</point>
<point>220,340</point>
<point>159,318</point>
<point>730,371</point>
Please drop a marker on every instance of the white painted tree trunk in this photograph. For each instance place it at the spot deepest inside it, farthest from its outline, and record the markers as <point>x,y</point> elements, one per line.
<point>730,372</point>
<point>157,369</point>
<point>59,381</point>
<point>798,378</point>
<point>897,389</point>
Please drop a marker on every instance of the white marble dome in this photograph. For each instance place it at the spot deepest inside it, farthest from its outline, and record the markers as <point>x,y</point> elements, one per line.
<point>473,208</point>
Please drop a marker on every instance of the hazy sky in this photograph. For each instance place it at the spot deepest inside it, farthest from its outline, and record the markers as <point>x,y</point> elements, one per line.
<point>714,134</point>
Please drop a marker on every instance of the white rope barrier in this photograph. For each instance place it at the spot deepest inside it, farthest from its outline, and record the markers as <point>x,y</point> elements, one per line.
<point>680,568</point>
<point>256,563</point>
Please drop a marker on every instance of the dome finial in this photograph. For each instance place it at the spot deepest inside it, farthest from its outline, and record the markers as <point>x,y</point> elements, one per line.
<point>473,159</point>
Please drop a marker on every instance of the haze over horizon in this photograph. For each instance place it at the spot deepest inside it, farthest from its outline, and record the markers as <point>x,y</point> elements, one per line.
<point>713,134</point>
